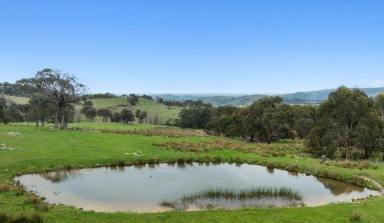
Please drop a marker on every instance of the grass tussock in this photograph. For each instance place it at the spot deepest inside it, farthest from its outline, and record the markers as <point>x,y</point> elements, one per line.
<point>259,192</point>
<point>355,217</point>
<point>234,195</point>
<point>5,188</point>
<point>31,199</point>
<point>17,189</point>
<point>37,203</point>
<point>361,165</point>
<point>21,218</point>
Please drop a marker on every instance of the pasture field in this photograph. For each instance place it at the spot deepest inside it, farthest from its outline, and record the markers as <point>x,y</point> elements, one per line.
<point>153,108</point>
<point>108,102</point>
<point>17,99</point>
<point>27,149</point>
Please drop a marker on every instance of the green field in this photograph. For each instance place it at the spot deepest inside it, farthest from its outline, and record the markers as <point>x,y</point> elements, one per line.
<point>154,109</point>
<point>108,102</point>
<point>95,125</point>
<point>42,149</point>
<point>17,99</point>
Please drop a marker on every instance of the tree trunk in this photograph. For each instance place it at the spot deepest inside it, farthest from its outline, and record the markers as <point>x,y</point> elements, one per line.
<point>62,122</point>
<point>366,153</point>
<point>57,121</point>
<point>252,139</point>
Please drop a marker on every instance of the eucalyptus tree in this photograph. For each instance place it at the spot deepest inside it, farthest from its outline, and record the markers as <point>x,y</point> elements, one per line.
<point>126,116</point>
<point>62,90</point>
<point>379,101</point>
<point>39,109</point>
<point>116,117</point>
<point>133,99</point>
<point>141,115</point>
<point>349,125</point>
<point>3,110</point>
<point>105,114</point>
<point>89,111</point>
<point>267,117</point>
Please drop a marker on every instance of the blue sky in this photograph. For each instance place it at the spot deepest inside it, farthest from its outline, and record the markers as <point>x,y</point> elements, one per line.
<point>196,46</point>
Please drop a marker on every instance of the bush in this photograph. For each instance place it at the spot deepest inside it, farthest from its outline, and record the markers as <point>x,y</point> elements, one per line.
<point>42,207</point>
<point>32,200</point>
<point>18,190</point>
<point>5,187</point>
<point>23,218</point>
<point>355,217</point>
<point>3,217</point>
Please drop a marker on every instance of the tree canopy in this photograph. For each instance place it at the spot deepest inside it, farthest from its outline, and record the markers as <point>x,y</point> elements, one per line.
<point>61,90</point>
<point>349,126</point>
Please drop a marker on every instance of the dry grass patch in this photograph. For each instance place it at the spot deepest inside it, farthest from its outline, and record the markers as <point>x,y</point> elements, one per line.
<point>159,131</point>
<point>363,164</point>
<point>275,149</point>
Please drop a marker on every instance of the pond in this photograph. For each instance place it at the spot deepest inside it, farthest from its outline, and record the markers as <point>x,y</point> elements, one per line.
<point>196,186</point>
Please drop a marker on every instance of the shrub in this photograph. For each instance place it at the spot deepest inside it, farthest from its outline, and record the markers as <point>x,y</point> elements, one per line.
<point>270,166</point>
<point>5,187</point>
<point>32,200</point>
<point>355,217</point>
<point>42,207</point>
<point>23,218</point>
<point>18,190</point>
<point>3,217</point>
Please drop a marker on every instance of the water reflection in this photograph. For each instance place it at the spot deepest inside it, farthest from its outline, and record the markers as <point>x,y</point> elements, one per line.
<point>337,187</point>
<point>142,188</point>
<point>62,175</point>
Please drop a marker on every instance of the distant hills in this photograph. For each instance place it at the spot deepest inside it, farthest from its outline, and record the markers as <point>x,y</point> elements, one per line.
<point>306,97</point>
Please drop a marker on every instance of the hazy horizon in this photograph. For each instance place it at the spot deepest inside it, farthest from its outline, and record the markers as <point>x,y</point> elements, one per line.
<point>228,93</point>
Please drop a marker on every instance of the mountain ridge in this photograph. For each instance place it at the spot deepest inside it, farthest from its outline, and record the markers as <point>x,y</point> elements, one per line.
<point>300,97</point>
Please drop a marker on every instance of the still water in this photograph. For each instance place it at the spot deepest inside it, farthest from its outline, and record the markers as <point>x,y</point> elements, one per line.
<point>145,188</point>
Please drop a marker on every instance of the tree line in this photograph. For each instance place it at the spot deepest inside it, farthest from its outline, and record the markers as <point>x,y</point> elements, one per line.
<point>186,103</point>
<point>349,124</point>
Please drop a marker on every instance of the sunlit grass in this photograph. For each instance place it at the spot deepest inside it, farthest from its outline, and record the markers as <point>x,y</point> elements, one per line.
<point>46,149</point>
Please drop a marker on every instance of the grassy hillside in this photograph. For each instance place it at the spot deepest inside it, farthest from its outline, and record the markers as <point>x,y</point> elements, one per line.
<point>17,99</point>
<point>154,109</point>
<point>43,149</point>
<point>108,102</point>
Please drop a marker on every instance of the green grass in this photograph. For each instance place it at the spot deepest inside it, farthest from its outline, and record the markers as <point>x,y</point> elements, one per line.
<point>95,125</point>
<point>108,102</point>
<point>17,99</point>
<point>154,109</point>
<point>111,125</point>
<point>43,149</point>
